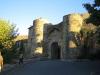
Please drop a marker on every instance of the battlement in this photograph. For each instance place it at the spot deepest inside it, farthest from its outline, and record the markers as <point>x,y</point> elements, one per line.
<point>74,22</point>
<point>40,21</point>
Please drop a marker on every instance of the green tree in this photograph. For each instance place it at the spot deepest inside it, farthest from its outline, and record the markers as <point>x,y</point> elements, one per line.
<point>8,32</point>
<point>94,11</point>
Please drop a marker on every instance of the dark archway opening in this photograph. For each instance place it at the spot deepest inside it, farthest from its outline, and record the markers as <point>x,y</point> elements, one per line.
<point>55,50</point>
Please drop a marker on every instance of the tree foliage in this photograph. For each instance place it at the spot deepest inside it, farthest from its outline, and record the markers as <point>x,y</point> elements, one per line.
<point>94,11</point>
<point>8,32</point>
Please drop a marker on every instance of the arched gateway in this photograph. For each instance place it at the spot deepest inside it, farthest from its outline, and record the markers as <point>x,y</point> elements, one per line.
<point>55,51</point>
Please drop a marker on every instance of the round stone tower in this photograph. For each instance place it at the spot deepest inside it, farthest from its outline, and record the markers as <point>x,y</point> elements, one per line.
<point>72,26</point>
<point>38,30</point>
<point>75,23</point>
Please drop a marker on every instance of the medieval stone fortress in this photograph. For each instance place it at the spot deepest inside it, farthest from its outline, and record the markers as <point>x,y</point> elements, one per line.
<point>58,41</point>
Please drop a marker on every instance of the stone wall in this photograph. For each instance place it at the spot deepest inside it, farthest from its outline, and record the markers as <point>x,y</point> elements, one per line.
<point>42,34</point>
<point>30,42</point>
<point>38,35</point>
<point>74,25</point>
<point>54,34</point>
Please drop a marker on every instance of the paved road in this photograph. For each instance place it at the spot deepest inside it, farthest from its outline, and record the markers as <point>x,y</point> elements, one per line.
<point>56,67</point>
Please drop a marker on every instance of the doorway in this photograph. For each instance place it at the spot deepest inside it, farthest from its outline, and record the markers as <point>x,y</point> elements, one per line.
<point>55,50</point>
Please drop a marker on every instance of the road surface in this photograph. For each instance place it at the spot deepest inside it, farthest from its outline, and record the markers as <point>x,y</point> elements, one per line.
<point>56,67</point>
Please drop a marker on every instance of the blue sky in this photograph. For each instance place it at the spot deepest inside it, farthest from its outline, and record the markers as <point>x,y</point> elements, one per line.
<point>23,12</point>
